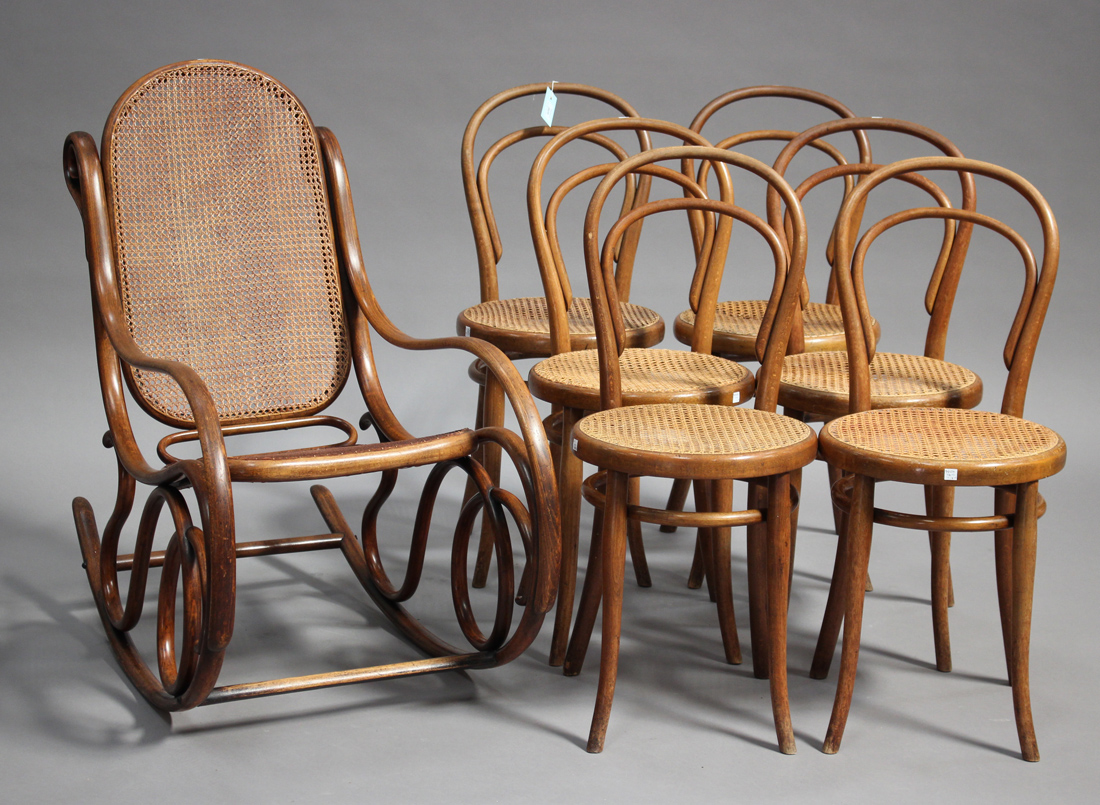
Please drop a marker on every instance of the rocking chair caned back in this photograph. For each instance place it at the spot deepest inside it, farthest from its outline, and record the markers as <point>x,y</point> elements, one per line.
<point>244,288</point>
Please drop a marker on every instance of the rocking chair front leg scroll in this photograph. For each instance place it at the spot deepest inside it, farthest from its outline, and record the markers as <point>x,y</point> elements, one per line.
<point>170,318</point>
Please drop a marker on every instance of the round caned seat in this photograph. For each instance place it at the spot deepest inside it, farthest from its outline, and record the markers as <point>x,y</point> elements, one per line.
<point>648,376</point>
<point>943,445</point>
<point>522,325</point>
<point>736,324</point>
<point>817,382</point>
<point>701,441</point>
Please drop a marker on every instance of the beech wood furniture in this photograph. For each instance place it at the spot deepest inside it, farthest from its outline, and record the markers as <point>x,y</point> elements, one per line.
<point>556,321</point>
<point>230,296</point>
<point>814,385</point>
<point>737,322</point>
<point>570,380</point>
<point>942,447</point>
<point>713,444</point>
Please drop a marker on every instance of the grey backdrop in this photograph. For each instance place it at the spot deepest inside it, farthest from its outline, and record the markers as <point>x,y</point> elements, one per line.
<point>1010,81</point>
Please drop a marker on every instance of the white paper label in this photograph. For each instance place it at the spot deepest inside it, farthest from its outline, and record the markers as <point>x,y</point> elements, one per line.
<point>574,445</point>
<point>950,475</point>
<point>549,103</point>
<point>736,397</point>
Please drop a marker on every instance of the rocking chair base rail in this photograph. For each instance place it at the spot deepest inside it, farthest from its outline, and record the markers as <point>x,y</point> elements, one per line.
<point>267,547</point>
<point>275,687</point>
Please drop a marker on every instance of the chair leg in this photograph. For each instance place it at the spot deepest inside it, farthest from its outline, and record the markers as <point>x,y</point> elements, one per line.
<point>677,497</point>
<point>491,413</point>
<point>858,527</point>
<point>704,557</point>
<point>779,558</point>
<point>940,503</point>
<point>634,538</point>
<point>1023,585</point>
<point>612,568</point>
<point>1004,502</point>
<point>722,584</point>
<point>757,554</point>
<point>591,595</point>
<point>570,477</point>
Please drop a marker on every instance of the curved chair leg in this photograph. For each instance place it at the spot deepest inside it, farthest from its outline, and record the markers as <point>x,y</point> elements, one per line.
<point>570,472</point>
<point>940,503</point>
<point>778,559</point>
<point>719,538</point>
<point>612,568</point>
<point>591,594</point>
<point>703,558</point>
<point>1018,548</point>
<point>860,520</point>
<point>491,413</point>
<point>634,538</point>
<point>1004,502</point>
<point>757,554</point>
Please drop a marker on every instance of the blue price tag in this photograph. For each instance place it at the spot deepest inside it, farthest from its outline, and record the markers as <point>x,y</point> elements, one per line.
<point>549,103</point>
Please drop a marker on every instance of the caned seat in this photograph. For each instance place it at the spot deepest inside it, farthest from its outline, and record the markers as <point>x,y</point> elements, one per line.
<point>712,445</point>
<point>736,324</point>
<point>943,448</point>
<point>819,381</point>
<point>522,325</point>
<point>649,375</point>
<point>230,296</point>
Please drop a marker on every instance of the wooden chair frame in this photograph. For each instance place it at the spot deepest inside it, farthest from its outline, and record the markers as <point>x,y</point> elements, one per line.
<point>203,557</point>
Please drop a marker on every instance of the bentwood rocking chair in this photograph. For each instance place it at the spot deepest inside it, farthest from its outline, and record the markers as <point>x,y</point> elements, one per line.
<point>945,447</point>
<point>711,444</point>
<point>230,296</point>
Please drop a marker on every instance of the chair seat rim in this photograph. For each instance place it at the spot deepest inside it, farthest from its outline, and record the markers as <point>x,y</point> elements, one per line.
<point>835,403</point>
<point>576,381</point>
<point>874,460</point>
<point>794,445</point>
<point>645,327</point>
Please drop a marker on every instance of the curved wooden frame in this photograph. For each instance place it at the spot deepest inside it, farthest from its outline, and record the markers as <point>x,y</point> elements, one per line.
<point>204,557</point>
<point>767,470</point>
<point>1017,504</point>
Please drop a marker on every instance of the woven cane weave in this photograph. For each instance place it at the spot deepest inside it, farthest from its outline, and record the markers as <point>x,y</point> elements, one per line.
<point>224,242</point>
<point>529,315</point>
<point>892,374</point>
<point>744,318</point>
<point>703,430</point>
<point>944,434</point>
<point>645,371</point>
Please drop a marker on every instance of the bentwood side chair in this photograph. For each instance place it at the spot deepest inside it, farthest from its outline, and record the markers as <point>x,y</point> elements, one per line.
<point>738,321</point>
<point>947,447</point>
<point>521,326</point>
<point>712,444</point>
<point>230,297</point>
<point>814,385</point>
<point>570,380</point>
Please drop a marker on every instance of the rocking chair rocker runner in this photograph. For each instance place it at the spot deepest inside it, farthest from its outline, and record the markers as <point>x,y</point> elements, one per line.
<point>229,293</point>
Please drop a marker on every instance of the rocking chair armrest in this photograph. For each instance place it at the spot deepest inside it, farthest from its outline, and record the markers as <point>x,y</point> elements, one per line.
<point>114,343</point>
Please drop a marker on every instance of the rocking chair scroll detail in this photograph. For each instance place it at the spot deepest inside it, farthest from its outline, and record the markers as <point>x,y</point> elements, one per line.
<point>229,293</point>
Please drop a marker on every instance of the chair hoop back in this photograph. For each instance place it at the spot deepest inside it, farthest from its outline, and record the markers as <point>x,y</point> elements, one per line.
<point>237,279</point>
